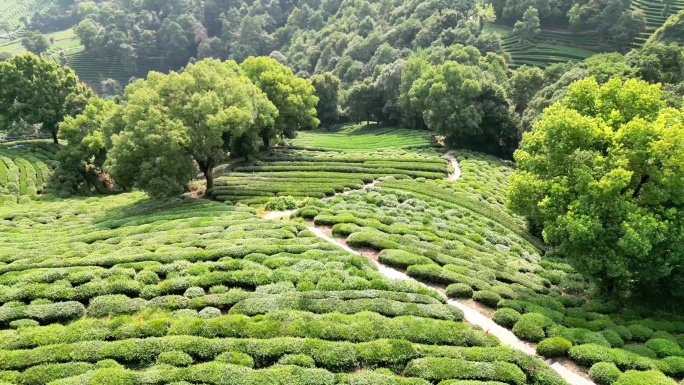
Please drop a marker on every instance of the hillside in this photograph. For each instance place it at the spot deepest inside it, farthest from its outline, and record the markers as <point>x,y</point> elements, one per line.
<point>195,290</point>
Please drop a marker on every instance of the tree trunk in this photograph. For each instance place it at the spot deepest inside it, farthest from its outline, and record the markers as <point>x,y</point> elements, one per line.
<point>209,176</point>
<point>267,142</point>
<point>54,136</point>
<point>207,169</point>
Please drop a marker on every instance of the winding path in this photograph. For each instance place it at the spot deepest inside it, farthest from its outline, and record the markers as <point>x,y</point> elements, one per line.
<point>454,163</point>
<point>471,315</point>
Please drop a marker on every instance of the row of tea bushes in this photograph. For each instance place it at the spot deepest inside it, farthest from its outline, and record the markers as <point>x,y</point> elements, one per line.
<point>125,290</point>
<point>28,171</point>
<point>484,254</point>
<point>318,174</point>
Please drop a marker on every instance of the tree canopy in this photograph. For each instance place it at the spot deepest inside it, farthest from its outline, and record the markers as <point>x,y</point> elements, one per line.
<point>602,172</point>
<point>171,122</point>
<point>293,97</point>
<point>38,91</point>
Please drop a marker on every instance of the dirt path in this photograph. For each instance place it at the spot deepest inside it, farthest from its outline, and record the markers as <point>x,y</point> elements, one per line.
<point>471,314</point>
<point>454,163</point>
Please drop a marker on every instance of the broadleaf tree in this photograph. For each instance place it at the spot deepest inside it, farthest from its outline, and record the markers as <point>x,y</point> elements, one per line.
<point>294,97</point>
<point>173,122</point>
<point>86,137</point>
<point>38,91</point>
<point>603,172</point>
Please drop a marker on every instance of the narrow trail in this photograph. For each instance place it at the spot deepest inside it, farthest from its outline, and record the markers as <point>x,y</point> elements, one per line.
<point>471,315</point>
<point>454,163</point>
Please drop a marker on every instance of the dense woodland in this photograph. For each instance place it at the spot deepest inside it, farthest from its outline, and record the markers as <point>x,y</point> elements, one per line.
<point>596,147</point>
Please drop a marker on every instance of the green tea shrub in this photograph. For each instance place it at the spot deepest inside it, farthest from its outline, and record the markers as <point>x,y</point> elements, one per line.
<point>589,354</point>
<point>392,353</point>
<point>640,350</point>
<point>194,292</point>
<point>20,323</point>
<point>236,358</point>
<point>599,306</point>
<point>663,335</point>
<point>147,276</point>
<point>43,374</point>
<point>613,337</point>
<point>297,359</point>
<point>344,229</point>
<point>175,358</point>
<point>437,369</point>
<point>210,312</point>
<point>113,376</point>
<point>506,317</point>
<point>55,312</point>
<point>281,203</point>
<point>604,373</point>
<point>651,377</point>
<point>487,297</point>
<point>531,327</point>
<point>402,259</point>
<point>116,304</point>
<point>459,290</point>
<point>168,302</point>
<point>663,347</point>
<point>554,347</point>
<point>640,333</point>
<point>675,366</point>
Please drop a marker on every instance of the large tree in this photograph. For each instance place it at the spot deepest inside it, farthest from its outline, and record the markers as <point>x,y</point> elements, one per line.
<point>603,172</point>
<point>464,104</point>
<point>528,28</point>
<point>294,97</point>
<point>173,122</point>
<point>35,42</point>
<point>86,137</point>
<point>327,88</point>
<point>38,91</point>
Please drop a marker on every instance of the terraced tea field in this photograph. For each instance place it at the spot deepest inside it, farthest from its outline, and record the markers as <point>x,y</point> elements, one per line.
<point>362,137</point>
<point>320,173</point>
<point>27,173</point>
<point>125,290</point>
<point>459,238</point>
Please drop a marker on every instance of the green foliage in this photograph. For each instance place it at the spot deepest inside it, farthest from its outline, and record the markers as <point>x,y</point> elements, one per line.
<point>169,121</point>
<point>484,121</point>
<point>531,326</point>
<point>327,88</point>
<point>487,297</point>
<point>281,203</point>
<point>554,347</point>
<point>174,358</point>
<point>618,115</point>
<point>236,358</point>
<point>35,42</point>
<point>663,347</point>
<point>86,136</point>
<point>651,377</point>
<point>528,27</point>
<point>506,317</point>
<point>460,290</point>
<point>297,359</point>
<point>604,373</point>
<point>38,91</point>
<point>293,97</point>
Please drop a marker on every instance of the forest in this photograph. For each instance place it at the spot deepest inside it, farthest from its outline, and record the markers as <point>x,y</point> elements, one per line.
<point>352,192</point>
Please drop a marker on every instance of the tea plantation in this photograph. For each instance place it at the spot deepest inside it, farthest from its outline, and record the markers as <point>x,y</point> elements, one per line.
<point>27,173</point>
<point>459,238</point>
<point>124,290</point>
<point>320,173</point>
